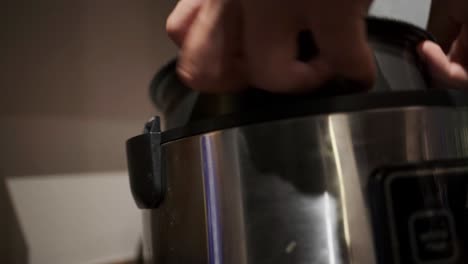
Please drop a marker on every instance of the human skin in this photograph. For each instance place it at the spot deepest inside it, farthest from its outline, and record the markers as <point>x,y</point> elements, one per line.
<point>448,60</point>
<point>227,45</point>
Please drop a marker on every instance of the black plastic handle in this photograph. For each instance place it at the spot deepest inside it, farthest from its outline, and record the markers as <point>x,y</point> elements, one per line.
<point>145,167</point>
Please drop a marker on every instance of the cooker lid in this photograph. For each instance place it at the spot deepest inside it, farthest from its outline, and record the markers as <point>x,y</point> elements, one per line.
<point>402,81</point>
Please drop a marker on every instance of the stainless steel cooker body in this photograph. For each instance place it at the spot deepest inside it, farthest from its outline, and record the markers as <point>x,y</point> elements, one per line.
<point>332,177</point>
<point>317,189</point>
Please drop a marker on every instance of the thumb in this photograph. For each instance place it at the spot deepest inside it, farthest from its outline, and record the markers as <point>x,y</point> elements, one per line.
<point>441,67</point>
<point>211,59</point>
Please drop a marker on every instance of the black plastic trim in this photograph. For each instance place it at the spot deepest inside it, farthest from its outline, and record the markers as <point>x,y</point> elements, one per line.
<point>147,180</point>
<point>380,217</point>
<point>304,107</point>
<point>396,31</point>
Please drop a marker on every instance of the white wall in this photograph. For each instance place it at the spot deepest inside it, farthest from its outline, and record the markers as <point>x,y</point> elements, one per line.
<point>77,218</point>
<point>72,217</point>
<point>412,11</point>
<point>73,87</point>
<point>70,62</point>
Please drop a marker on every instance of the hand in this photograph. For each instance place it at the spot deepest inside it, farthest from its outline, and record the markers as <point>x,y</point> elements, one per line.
<point>229,44</point>
<point>449,61</point>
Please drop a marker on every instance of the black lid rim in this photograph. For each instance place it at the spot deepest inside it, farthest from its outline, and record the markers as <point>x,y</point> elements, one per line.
<point>391,32</point>
<point>396,31</point>
<point>324,106</point>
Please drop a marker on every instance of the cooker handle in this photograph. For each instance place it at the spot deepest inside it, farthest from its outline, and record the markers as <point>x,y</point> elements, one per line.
<point>145,166</point>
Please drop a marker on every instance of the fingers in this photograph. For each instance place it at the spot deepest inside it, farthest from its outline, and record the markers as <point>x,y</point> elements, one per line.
<point>444,28</point>
<point>271,46</point>
<point>445,24</point>
<point>441,67</point>
<point>181,18</point>
<point>227,44</point>
<point>459,50</point>
<point>458,9</point>
<point>210,59</point>
<point>344,47</point>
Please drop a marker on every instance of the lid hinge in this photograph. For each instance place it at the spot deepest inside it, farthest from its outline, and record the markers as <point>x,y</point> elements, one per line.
<point>145,166</point>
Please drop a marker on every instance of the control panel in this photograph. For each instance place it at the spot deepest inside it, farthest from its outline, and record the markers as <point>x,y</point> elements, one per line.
<point>420,213</point>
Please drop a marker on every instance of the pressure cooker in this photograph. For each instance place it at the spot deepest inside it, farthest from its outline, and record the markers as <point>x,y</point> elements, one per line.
<point>336,176</point>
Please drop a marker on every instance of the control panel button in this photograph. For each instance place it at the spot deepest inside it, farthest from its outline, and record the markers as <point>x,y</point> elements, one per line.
<point>432,236</point>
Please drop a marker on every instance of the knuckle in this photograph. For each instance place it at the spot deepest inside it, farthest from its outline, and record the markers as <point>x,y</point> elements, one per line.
<point>173,28</point>
<point>200,78</point>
